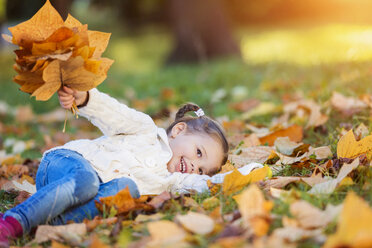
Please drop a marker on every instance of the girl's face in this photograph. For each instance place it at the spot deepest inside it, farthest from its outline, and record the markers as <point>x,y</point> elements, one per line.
<point>193,153</point>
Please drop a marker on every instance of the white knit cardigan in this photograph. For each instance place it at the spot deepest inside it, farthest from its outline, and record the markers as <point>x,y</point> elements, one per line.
<point>132,146</point>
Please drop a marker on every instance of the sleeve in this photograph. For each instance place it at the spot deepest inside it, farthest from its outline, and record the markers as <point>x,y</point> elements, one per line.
<point>184,183</point>
<point>113,117</point>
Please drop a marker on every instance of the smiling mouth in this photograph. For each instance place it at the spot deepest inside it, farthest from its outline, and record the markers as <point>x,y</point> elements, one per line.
<point>183,165</point>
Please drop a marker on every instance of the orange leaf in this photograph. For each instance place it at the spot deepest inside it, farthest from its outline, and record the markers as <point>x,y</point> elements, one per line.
<point>72,22</point>
<point>294,132</point>
<point>122,201</point>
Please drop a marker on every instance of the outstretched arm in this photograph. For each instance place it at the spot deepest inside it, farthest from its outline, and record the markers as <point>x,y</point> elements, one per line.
<point>106,113</point>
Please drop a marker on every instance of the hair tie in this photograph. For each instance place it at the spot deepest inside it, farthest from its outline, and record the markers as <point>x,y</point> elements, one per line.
<point>199,112</point>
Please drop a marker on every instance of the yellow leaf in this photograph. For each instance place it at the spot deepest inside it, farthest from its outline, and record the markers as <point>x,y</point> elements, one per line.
<point>227,167</point>
<point>348,147</point>
<point>93,65</point>
<point>235,181</point>
<point>255,210</point>
<point>354,227</point>
<point>347,181</point>
<point>72,22</point>
<point>39,27</point>
<point>99,40</point>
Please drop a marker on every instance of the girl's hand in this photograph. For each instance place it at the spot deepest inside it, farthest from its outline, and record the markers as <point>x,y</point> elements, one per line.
<point>67,96</point>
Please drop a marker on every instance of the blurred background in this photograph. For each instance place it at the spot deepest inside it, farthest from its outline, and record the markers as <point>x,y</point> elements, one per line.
<point>217,53</point>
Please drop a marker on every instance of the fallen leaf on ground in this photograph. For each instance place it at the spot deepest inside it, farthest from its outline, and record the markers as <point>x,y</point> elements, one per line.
<point>196,223</point>
<point>294,132</point>
<point>348,147</point>
<point>354,227</point>
<point>279,182</point>
<point>46,232</point>
<point>165,232</point>
<point>255,210</point>
<point>159,200</point>
<point>347,105</point>
<point>285,146</point>
<point>123,202</point>
<point>307,108</point>
<point>235,181</point>
<point>310,217</point>
<point>330,185</point>
<point>258,154</point>
<point>294,234</point>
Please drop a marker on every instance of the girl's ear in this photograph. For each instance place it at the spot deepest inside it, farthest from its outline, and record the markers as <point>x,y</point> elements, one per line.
<point>179,128</point>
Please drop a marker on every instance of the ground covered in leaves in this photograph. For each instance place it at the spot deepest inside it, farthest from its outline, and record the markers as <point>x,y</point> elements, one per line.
<point>309,123</point>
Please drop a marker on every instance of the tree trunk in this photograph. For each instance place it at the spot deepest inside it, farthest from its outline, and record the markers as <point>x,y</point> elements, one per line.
<point>25,9</point>
<point>62,6</point>
<point>201,31</point>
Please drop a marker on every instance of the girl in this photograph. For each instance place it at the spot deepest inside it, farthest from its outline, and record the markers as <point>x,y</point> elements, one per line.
<point>133,152</point>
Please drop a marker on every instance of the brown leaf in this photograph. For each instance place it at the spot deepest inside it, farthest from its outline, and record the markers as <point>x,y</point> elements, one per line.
<point>92,224</point>
<point>245,105</point>
<point>280,182</point>
<point>159,200</point>
<point>21,197</point>
<point>71,73</point>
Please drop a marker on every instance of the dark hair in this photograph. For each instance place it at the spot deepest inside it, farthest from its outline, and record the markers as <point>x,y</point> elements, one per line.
<point>202,124</point>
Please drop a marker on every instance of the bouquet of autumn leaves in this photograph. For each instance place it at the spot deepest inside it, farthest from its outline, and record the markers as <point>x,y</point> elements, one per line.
<point>53,53</point>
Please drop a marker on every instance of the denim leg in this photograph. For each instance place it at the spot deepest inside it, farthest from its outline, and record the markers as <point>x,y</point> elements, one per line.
<point>89,210</point>
<point>64,179</point>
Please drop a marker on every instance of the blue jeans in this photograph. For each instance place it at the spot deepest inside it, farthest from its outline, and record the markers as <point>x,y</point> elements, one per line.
<point>67,188</point>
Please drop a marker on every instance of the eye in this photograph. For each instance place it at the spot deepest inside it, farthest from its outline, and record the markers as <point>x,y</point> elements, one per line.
<point>199,152</point>
<point>200,171</point>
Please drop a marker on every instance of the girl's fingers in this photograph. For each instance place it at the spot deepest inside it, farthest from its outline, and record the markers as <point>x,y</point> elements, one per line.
<point>68,90</point>
<point>65,91</point>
